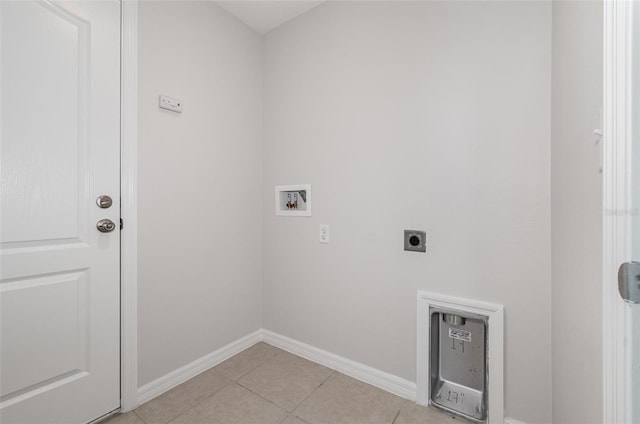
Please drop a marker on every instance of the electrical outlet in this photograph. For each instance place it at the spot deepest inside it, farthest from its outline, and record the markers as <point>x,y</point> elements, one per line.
<point>415,241</point>
<point>324,233</point>
<point>168,103</point>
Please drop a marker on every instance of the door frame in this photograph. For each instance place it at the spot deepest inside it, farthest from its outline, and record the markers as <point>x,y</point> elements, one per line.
<point>129,206</point>
<point>617,212</point>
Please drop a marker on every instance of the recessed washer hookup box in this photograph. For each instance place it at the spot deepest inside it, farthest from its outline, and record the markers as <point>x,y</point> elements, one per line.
<point>458,371</point>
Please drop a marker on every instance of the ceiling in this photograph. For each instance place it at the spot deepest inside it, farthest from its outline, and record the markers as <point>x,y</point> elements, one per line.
<point>265,15</point>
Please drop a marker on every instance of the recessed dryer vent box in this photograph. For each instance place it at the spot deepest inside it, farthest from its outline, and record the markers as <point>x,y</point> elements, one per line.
<point>460,353</point>
<point>458,368</point>
<point>293,200</point>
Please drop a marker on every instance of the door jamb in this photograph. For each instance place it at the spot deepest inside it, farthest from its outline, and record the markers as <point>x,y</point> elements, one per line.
<point>617,216</point>
<point>129,207</point>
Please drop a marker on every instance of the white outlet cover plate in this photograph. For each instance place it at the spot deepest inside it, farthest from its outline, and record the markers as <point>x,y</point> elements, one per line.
<point>170,103</point>
<point>324,233</point>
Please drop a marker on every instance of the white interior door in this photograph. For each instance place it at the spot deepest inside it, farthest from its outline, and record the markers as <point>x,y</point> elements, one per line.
<point>59,151</point>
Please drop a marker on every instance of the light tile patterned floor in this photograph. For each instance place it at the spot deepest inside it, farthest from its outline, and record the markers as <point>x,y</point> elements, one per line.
<point>266,385</point>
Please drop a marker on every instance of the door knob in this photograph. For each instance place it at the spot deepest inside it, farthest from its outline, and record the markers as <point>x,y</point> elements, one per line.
<point>105,226</point>
<point>104,201</point>
<point>629,282</point>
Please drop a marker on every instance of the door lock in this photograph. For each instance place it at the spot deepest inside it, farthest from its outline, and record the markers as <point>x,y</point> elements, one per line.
<point>629,282</point>
<point>104,201</point>
<point>105,226</point>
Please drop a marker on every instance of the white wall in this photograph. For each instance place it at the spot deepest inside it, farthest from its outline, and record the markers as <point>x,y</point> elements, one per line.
<point>199,249</point>
<point>576,206</point>
<point>416,115</point>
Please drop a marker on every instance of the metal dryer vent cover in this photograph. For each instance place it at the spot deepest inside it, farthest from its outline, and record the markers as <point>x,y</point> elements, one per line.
<point>458,374</point>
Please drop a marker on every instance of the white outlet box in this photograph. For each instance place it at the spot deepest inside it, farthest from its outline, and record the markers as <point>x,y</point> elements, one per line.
<point>324,233</point>
<point>171,104</point>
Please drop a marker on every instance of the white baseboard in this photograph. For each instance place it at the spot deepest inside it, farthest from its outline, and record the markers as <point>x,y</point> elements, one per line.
<point>182,374</point>
<point>369,375</point>
<point>513,421</point>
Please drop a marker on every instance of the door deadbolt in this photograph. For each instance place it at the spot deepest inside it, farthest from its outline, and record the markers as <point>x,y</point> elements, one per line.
<point>105,226</point>
<point>629,282</point>
<point>104,201</point>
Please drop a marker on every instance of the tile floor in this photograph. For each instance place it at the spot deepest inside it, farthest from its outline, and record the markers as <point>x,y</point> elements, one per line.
<point>266,385</point>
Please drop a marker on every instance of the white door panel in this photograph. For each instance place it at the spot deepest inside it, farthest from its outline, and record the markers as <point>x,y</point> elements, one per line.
<point>41,74</point>
<point>56,346</point>
<point>59,150</point>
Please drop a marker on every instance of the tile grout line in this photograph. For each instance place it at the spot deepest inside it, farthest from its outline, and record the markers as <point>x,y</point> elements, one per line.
<point>294,415</point>
<point>314,390</point>
<point>180,414</point>
<point>258,365</point>
<point>263,398</point>
<point>228,382</point>
<point>298,405</point>
<point>139,417</point>
<point>397,415</point>
<point>270,359</point>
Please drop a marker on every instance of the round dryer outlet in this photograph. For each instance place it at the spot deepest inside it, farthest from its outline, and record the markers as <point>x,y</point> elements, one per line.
<point>415,241</point>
